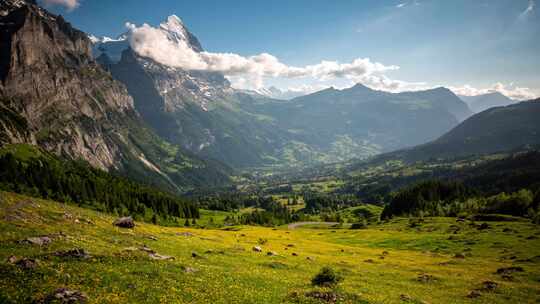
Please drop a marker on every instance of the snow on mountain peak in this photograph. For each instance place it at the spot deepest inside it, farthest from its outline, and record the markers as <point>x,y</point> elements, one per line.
<point>173,29</point>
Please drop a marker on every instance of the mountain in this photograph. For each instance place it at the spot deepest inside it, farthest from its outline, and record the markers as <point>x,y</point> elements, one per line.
<point>197,110</point>
<point>202,113</point>
<point>483,102</point>
<point>55,95</point>
<point>494,130</point>
<point>275,93</point>
<point>442,98</point>
<point>360,122</point>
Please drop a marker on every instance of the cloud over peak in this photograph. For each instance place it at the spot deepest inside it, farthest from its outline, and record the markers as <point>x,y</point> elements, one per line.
<point>68,4</point>
<point>510,90</point>
<point>164,45</point>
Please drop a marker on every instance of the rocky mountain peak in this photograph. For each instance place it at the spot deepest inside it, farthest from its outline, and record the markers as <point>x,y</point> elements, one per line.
<point>177,31</point>
<point>173,28</point>
<point>7,5</point>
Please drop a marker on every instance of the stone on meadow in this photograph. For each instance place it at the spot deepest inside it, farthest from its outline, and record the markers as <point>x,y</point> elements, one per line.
<point>159,257</point>
<point>23,263</point>
<point>64,295</point>
<point>188,269</point>
<point>124,222</point>
<point>39,240</point>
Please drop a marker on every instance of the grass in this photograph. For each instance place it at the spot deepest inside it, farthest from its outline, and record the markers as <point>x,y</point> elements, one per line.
<point>380,264</point>
<point>23,152</point>
<point>365,211</point>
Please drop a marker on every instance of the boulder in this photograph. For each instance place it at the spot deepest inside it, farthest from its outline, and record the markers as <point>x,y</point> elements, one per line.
<point>509,270</point>
<point>157,256</point>
<point>271,253</point>
<point>257,248</point>
<point>188,269</point>
<point>124,222</point>
<point>23,263</point>
<point>146,249</point>
<point>39,240</point>
<point>64,295</point>
<point>324,296</point>
<point>489,286</point>
<point>77,253</point>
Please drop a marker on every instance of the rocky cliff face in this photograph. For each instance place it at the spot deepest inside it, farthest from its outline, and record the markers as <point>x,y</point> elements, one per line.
<point>49,79</point>
<point>54,94</point>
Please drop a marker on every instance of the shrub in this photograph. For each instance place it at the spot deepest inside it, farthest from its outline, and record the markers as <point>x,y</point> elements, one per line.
<point>326,277</point>
<point>359,225</point>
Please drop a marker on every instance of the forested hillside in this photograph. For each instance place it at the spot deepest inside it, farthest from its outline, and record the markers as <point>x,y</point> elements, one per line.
<point>31,171</point>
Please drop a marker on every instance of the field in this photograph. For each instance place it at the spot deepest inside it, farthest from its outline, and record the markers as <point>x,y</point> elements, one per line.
<point>437,260</point>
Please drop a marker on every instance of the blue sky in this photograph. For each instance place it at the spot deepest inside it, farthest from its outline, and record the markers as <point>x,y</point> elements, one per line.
<point>469,45</point>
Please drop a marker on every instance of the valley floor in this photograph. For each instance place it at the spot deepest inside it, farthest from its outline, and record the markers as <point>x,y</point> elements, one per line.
<point>438,261</point>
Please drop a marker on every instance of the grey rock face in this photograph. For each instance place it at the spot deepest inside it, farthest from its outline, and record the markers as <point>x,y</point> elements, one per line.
<point>55,95</point>
<point>52,92</point>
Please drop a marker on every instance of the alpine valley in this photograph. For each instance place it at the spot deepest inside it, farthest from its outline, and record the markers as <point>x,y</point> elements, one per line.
<point>128,178</point>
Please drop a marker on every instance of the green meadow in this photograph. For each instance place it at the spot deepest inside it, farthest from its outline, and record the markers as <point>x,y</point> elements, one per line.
<point>431,260</point>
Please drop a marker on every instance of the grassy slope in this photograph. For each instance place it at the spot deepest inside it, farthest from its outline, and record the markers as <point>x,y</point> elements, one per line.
<point>239,275</point>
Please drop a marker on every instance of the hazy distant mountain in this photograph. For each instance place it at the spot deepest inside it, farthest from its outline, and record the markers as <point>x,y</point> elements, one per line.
<point>483,102</point>
<point>497,129</point>
<point>53,94</point>
<point>357,122</point>
<point>276,93</point>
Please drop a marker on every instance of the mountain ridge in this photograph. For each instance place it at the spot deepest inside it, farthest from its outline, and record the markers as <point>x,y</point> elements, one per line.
<point>479,103</point>
<point>497,129</point>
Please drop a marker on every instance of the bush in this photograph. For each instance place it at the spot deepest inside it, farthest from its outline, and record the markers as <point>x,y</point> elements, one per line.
<point>359,225</point>
<point>326,277</point>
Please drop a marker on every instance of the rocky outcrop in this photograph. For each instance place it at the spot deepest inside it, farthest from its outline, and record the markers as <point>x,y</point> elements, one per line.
<point>124,222</point>
<point>54,94</point>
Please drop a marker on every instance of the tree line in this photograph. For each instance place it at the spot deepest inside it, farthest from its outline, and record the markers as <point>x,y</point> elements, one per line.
<point>454,198</point>
<point>49,177</point>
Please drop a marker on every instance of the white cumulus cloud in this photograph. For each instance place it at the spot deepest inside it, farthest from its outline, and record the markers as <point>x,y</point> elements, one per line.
<point>246,71</point>
<point>69,4</point>
<point>510,90</point>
